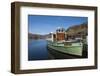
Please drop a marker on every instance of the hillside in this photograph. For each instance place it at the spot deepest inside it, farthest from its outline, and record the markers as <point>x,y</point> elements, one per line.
<point>81,29</point>
<point>77,29</point>
<point>35,36</point>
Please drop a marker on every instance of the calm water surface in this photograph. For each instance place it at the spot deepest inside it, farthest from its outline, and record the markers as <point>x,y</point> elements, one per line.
<point>37,50</point>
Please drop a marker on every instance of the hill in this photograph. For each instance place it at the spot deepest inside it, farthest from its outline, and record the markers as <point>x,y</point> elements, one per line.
<point>77,29</point>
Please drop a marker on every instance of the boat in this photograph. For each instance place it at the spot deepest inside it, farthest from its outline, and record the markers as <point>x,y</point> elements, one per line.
<point>71,47</point>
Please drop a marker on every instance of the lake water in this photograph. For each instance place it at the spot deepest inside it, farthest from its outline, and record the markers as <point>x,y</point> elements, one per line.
<point>37,50</point>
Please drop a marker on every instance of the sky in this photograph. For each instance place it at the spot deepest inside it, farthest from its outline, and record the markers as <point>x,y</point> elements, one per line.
<point>42,24</point>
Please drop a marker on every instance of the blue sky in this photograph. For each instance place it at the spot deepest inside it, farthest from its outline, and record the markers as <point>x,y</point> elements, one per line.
<point>41,24</point>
